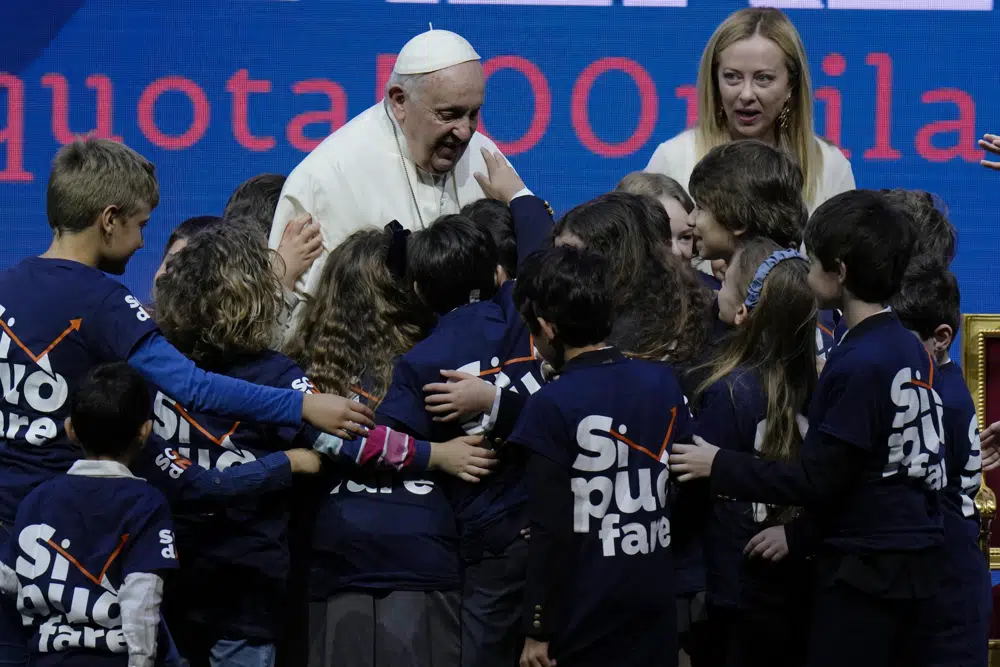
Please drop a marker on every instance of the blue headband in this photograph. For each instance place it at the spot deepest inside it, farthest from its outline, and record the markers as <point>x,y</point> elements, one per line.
<point>757,284</point>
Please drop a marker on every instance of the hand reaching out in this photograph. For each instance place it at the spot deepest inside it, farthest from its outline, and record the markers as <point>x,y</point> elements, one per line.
<point>693,461</point>
<point>991,144</point>
<point>500,182</point>
<point>301,243</point>
<point>770,544</point>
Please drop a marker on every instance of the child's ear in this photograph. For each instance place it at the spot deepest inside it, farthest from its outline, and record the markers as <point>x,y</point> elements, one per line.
<point>108,219</point>
<point>501,275</point>
<point>548,330</point>
<point>145,430</point>
<point>70,432</point>
<point>742,313</point>
<point>943,336</point>
<point>841,272</point>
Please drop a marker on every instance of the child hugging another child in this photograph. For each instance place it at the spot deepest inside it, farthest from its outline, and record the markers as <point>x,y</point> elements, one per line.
<point>384,579</point>
<point>759,385</point>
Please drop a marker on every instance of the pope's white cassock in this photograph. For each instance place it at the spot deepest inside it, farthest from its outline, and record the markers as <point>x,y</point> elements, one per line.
<point>362,175</point>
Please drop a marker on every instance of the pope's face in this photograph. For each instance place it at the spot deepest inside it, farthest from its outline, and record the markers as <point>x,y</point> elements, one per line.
<point>441,118</point>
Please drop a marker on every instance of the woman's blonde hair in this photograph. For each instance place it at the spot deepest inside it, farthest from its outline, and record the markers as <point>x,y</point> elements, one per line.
<point>219,296</point>
<point>359,321</point>
<point>795,134</point>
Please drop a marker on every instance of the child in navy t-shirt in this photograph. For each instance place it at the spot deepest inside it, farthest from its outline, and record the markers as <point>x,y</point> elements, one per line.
<point>758,384</point>
<point>871,467</point>
<point>454,267</point>
<point>929,305</point>
<point>600,575</point>
<point>90,548</point>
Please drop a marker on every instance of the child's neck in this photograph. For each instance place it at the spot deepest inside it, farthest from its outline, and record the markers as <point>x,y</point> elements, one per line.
<point>573,352</point>
<point>73,247</point>
<point>856,312</point>
<point>942,358</point>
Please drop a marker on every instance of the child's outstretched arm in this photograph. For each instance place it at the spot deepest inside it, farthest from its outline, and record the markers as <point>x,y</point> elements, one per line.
<point>178,377</point>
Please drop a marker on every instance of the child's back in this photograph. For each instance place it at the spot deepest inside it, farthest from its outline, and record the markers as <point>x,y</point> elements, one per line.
<point>78,537</point>
<point>607,423</point>
<point>875,394</point>
<point>59,319</point>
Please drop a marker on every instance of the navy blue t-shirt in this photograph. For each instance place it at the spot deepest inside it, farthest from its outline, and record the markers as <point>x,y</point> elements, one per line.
<point>876,394</point>
<point>389,531</point>
<point>733,415</point>
<point>235,558</point>
<point>58,319</point>
<point>484,339</point>
<point>76,539</point>
<point>610,422</point>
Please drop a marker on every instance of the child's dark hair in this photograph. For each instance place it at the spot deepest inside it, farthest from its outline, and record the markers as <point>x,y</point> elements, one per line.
<point>570,289</point>
<point>928,298</point>
<point>777,342</point>
<point>452,262</point>
<point>188,229</point>
<point>935,235</point>
<point>219,297</point>
<point>108,408</point>
<point>255,201</point>
<point>495,217</point>
<point>872,237</point>
<point>656,186</point>
<point>750,186</point>
<point>662,310</point>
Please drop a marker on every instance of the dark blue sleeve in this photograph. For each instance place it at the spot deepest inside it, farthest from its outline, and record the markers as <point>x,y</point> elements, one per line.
<point>120,323</point>
<point>184,483</point>
<point>199,391</point>
<point>822,473</point>
<point>532,225</point>
<point>150,546</point>
<point>404,401</point>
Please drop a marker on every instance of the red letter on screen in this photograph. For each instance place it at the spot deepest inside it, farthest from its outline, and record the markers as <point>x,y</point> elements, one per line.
<point>12,135</point>
<point>689,94</point>
<point>383,71</point>
<point>882,150</point>
<point>60,107</point>
<point>649,105</point>
<point>965,126</point>
<point>335,116</point>
<point>542,112</point>
<point>833,65</point>
<point>240,85</point>
<point>147,116</point>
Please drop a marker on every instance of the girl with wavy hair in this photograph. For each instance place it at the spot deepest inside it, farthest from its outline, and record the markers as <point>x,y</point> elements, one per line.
<point>662,310</point>
<point>384,581</point>
<point>757,387</point>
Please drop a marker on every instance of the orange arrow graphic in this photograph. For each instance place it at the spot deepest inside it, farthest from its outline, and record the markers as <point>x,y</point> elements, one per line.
<point>74,325</point>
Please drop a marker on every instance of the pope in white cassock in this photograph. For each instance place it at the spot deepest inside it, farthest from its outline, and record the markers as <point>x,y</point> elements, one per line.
<point>411,157</point>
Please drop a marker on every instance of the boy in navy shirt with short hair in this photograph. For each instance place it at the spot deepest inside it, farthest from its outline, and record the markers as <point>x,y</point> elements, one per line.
<point>871,467</point>
<point>929,305</point>
<point>600,587</point>
<point>90,547</point>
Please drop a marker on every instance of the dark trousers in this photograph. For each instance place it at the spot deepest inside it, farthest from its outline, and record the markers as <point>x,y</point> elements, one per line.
<point>395,629</point>
<point>492,599</point>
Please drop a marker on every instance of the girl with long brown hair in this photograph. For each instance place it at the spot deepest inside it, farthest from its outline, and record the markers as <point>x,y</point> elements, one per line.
<point>758,385</point>
<point>384,584</point>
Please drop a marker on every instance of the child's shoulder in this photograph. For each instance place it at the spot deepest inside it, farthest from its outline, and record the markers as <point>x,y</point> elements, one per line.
<point>950,385</point>
<point>269,368</point>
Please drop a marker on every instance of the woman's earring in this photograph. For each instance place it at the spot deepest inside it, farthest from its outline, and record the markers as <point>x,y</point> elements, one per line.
<point>783,117</point>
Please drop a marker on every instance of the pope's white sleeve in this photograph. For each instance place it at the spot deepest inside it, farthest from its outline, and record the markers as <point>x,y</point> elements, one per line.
<point>9,583</point>
<point>140,598</point>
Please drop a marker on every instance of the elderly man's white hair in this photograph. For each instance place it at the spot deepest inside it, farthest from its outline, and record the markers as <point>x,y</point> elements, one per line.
<point>411,84</point>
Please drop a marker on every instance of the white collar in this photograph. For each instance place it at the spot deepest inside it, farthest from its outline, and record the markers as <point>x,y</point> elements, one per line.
<point>95,468</point>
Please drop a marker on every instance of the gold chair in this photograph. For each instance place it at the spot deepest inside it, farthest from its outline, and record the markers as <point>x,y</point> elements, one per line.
<point>981,364</point>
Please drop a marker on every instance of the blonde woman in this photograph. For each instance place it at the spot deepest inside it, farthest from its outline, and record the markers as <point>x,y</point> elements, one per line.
<point>753,83</point>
